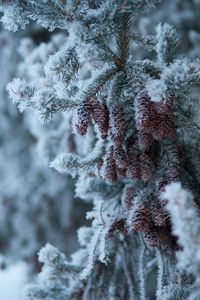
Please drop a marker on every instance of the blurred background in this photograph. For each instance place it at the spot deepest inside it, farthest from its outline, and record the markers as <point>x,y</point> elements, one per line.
<point>37,205</point>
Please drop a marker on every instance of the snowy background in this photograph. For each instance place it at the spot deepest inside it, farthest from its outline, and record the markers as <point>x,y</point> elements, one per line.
<point>12,280</point>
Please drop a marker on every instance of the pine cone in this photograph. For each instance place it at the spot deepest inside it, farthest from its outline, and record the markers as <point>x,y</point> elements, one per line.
<point>127,197</point>
<point>83,113</point>
<point>120,157</point>
<point>140,218</point>
<point>117,124</point>
<point>150,237</point>
<point>145,141</point>
<point>145,114</point>
<point>133,169</point>
<point>109,171</point>
<point>158,216</point>
<point>164,127</point>
<point>146,167</point>
<point>164,106</point>
<point>100,116</point>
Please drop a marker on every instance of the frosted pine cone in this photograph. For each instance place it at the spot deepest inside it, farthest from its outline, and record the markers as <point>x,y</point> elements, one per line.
<point>140,217</point>
<point>160,186</point>
<point>150,237</point>
<point>145,141</point>
<point>133,168</point>
<point>117,124</point>
<point>146,167</point>
<point>158,216</point>
<point>164,106</point>
<point>120,157</point>
<point>83,114</point>
<point>154,119</point>
<point>100,116</point>
<point>144,113</point>
<point>164,128</point>
<point>127,197</point>
<point>109,171</point>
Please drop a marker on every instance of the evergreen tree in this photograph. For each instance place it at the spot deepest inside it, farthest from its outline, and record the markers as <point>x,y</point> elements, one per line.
<point>131,107</point>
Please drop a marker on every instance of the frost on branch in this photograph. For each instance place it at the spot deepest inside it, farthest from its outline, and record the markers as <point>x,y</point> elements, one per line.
<point>48,13</point>
<point>175,80</point>
<point>54,265</point>
<point>185,222</point>
<point>62,68</point>
<point>71,164</point>
<point>43,100</point>
<point>54,271</point>
<point>15,15</point>
<point>67,163</point>
<point>20,92</point>
<point>166,43</point>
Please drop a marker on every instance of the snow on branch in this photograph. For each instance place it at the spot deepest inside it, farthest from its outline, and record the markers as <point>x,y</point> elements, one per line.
<point>185,222</point>
<point>175,80</point>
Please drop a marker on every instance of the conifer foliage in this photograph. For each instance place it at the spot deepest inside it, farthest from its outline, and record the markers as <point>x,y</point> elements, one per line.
<point>134,116</point>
